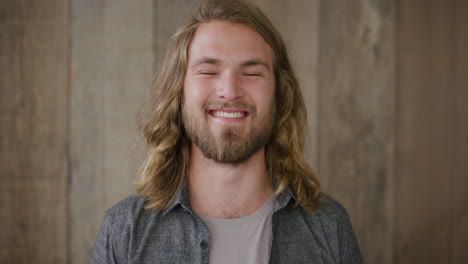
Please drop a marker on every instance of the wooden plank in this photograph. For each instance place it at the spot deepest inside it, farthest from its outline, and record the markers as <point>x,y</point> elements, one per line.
<point>33,131</point>
<point>297,22</point>
<point>356,116</point>
<point>459,200</point>
<point>112,61</point>
<point>425,132</point>
<point>168,16</point>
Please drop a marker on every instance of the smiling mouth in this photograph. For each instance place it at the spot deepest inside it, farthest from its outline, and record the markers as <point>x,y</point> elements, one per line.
<point>229,114</point>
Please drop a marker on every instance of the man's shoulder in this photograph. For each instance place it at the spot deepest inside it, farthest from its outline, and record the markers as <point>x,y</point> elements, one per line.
<point>329,212</point>
<point>338,230</point>
<point>330,208</point>
<point>127,210</point>
<point>131,203</point>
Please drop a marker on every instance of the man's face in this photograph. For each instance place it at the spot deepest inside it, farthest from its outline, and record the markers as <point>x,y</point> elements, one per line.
<point>228,109</point>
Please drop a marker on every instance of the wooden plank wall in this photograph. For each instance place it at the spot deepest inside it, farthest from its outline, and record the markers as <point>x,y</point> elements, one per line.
<point>33,131</point>
<point>112,62</point>
<point>356,114</point>
<point>386,89</point>
<point>431,217</point>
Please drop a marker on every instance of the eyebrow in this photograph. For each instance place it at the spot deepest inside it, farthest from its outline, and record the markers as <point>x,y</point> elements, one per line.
<point>256,62</point>
<point>208,60</point>
<point>205,60</point>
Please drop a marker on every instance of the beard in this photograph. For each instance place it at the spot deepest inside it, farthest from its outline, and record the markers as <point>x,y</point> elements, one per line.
<point>231,146</point>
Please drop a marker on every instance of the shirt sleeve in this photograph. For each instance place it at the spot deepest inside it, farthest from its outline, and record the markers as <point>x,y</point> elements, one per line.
<point>103,251</point>
<point>348,245</point>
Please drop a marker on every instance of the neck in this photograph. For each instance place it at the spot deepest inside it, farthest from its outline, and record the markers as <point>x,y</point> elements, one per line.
<point>228,191</point>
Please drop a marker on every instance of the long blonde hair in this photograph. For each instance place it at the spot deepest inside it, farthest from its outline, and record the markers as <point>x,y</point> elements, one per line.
<point>166,165</point>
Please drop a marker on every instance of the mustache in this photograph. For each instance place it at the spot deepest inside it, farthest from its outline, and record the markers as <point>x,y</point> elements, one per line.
<point>235,105</point>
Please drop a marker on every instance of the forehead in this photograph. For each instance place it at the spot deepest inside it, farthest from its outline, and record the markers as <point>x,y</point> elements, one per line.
<point>229,42</point>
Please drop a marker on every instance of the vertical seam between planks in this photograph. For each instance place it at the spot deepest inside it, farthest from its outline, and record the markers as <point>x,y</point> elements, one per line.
<point>393,176</point>
<point>453,120</point>
<point>68,132</point>
<point>396,170</point>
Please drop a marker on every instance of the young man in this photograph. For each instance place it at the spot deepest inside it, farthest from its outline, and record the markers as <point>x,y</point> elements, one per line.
<point>225,180</point>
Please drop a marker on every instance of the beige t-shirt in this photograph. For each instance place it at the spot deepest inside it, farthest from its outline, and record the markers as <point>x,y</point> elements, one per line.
<point>241,240</point>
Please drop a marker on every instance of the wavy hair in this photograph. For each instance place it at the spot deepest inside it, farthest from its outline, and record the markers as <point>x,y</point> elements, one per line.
<point>165,168</point>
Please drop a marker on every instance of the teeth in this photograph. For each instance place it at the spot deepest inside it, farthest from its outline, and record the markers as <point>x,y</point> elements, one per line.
<point>229,115</point>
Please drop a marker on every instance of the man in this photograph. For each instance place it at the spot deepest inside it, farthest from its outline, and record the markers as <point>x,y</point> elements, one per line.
<point>225,179</point>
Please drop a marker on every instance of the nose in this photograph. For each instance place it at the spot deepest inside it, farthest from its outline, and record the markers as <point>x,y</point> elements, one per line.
<point>229,87</point>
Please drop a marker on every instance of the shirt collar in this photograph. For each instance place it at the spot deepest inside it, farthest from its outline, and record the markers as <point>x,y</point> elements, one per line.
<point>283,199</point>
<point>182,198</point>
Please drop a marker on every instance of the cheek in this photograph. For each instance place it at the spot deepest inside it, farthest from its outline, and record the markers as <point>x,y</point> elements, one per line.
<point>264,96</point>
<point>195,92</point>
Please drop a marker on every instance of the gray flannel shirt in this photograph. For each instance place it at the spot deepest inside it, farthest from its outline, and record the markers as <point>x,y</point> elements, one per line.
<point>131,234</point>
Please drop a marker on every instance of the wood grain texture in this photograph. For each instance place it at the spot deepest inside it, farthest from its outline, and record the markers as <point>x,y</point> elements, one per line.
<point>112,61</point>
<point>298,23</point>
<point>426,127</point>
<point>356,116</point>
<point>168,16</point>
<point>33,131</point>
<point>459,200</point>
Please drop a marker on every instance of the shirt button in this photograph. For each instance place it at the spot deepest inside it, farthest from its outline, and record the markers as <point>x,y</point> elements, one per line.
<point>203,244</point>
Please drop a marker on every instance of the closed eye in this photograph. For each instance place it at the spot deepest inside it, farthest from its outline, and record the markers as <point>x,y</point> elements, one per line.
<point>252,74</point>
<point>207,73</point>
